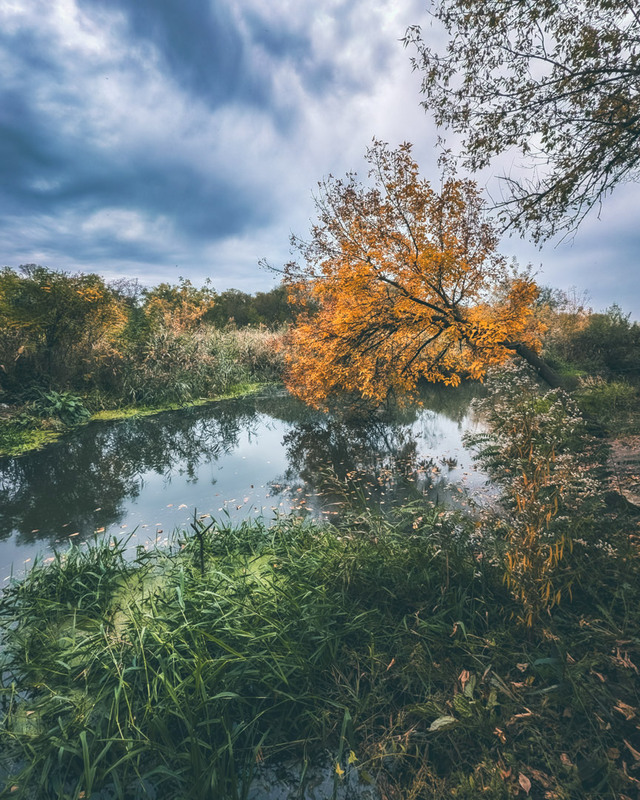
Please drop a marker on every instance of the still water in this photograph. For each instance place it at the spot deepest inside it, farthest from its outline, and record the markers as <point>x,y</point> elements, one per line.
<point>260,455</point>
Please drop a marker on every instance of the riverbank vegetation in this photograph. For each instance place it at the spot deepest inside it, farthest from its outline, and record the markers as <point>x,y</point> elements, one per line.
<point>425,653</point>
<point>74,345</point>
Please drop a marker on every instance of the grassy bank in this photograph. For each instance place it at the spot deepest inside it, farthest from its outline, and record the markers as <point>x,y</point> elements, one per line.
<point>22,433</point>
<point>393,648</point>
<point>174,369</point>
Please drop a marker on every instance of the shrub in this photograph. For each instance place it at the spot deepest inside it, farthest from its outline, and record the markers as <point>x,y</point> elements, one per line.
<point>538,450</point>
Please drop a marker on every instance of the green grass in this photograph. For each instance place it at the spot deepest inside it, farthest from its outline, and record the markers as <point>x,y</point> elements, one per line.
<point>238,390</point>
<point>394,645</point>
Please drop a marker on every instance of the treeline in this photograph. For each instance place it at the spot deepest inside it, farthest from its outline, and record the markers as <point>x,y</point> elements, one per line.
<point>118,343</point>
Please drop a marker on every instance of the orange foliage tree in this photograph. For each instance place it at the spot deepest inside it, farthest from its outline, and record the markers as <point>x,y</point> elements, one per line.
<point>400,282</point>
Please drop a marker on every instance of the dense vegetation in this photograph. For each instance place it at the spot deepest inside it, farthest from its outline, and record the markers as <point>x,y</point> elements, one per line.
<point>72,345</point>
<point>427,653</point>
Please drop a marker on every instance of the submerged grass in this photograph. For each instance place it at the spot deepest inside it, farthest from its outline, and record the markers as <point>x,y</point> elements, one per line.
<point>390,647</point>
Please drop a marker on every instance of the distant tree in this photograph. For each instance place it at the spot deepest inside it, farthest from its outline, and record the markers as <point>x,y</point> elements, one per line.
<point>181,306</point>
<point>403,283</point>
<point>271,308</point>
<point>231,307</point>
<point>557,80</point>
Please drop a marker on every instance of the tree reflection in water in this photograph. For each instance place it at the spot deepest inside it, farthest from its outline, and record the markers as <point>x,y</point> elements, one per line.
<point>83,481</point>
<point>376,460</point>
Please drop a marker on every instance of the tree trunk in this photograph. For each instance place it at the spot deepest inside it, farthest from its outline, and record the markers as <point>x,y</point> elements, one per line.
<point>548,375</point>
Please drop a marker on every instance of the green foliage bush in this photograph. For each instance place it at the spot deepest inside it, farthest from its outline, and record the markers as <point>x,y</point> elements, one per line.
<point>67,407</point>
<point>609,403</point>
<point>606,344</point>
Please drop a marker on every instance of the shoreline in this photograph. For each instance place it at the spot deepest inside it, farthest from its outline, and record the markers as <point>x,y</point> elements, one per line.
<point>21,439</point>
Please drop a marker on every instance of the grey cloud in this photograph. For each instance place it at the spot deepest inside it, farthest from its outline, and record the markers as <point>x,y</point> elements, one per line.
<point>199,42</point>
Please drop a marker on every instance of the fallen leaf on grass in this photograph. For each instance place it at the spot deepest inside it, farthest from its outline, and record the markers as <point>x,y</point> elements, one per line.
<point>633,751</point>
<point>442,722</point>
<point>524,782</point>
<point>626,710</point>
<point>541,777</point>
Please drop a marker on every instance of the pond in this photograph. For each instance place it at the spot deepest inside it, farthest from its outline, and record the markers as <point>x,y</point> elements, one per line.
<point>264,454</point>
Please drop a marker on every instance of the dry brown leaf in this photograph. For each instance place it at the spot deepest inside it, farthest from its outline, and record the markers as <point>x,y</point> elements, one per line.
<point>524,782</point>
<point>626,710</point>
<point>463,677</point>
<point>522,667</point>
<point>566,760</point>
<point>633,751</point>
<point>541,777</point>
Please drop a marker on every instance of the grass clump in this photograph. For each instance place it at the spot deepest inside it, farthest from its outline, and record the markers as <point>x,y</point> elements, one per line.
<point>388,647</point>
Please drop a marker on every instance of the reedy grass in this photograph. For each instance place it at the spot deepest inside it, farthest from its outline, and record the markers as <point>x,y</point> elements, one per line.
<point>386,642</point>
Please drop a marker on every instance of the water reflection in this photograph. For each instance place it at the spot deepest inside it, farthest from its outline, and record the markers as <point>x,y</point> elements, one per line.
<point>391,456</point>
<point>260,454</point>
<point>84,481</point>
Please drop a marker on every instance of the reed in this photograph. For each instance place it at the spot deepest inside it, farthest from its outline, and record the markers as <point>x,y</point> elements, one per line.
<point>378,646</point>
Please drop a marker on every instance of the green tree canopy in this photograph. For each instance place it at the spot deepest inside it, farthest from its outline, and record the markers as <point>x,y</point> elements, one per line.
<point>54,320</point>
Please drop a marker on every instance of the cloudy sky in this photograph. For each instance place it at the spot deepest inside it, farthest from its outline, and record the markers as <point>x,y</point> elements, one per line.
<point>165,138</point>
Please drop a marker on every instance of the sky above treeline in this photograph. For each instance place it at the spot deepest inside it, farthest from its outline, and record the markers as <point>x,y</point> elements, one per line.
<point>154,139</point>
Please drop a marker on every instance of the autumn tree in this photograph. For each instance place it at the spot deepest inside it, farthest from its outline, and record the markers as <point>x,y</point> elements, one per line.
<point>54,324</point>
<point>401,283</point>
<point>557,81</point>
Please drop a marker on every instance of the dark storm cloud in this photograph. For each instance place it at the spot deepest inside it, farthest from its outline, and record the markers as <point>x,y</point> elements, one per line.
<point>199,42</point>
<point>55,157</point>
